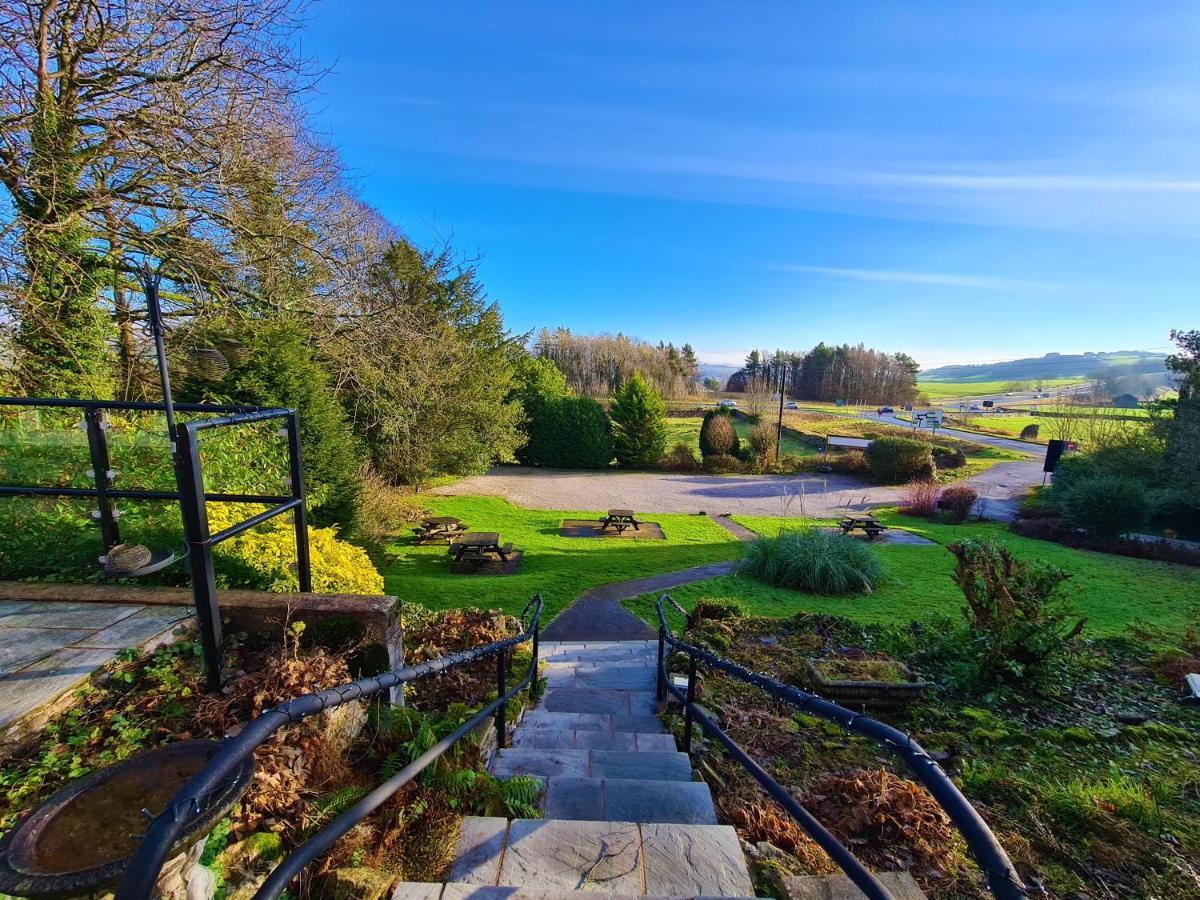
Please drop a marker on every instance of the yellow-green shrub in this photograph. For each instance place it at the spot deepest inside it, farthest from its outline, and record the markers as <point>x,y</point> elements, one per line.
<point>263,557</point>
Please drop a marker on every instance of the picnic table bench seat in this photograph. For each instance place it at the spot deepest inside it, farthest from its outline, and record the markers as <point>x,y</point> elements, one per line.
<point>872,526</point>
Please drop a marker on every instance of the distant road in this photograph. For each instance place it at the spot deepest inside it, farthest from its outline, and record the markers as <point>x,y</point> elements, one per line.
<point>1004,399</point>
<point>991,440</point>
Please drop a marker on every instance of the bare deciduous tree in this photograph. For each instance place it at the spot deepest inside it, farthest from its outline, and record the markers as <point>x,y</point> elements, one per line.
<point>119,124</point>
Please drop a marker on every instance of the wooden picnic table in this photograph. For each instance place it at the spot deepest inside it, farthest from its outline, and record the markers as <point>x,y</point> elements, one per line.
<point>435,528</point>
<point>620,519</point>
<point>476,546</point>
<point>868,523</point>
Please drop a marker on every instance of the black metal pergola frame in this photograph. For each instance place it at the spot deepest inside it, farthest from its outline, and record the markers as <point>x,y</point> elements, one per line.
<point>189,493</point>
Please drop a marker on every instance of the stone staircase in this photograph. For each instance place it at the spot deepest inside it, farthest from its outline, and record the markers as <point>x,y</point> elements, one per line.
<point>623,815</point>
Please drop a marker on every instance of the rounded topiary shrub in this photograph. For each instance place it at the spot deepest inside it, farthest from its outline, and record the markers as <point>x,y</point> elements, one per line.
<point>680,458</point>
<point>957,502</point>
<point>1106,506</point>
<point>1030,432</point>
<point>820,562</point>
<point>718,437</point>
<point>893,460</point>
<point>722,462</point>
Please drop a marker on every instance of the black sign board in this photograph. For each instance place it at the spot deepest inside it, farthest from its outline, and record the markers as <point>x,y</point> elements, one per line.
<point>1054,452</point>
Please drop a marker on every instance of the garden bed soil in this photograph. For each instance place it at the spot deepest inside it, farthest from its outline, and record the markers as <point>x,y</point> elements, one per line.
<point>1087,785</point>
<point>590,528</point>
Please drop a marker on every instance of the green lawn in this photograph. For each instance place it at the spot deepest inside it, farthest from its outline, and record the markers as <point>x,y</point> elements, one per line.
<point>687,430</point>
<point>1111,591</point>
<point>558,568</point>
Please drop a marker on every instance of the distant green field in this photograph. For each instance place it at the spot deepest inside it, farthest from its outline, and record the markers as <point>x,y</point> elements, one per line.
<point>941,390</point>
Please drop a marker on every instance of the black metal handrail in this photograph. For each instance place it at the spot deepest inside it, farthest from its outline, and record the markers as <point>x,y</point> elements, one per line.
<point>142,874</point>
<point>1002,877</point>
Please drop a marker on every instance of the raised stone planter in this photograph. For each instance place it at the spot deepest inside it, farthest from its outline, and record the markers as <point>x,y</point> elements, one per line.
<point>864,692</point>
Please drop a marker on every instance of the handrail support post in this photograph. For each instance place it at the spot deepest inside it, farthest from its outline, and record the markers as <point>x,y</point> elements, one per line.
<point>533,682</point>
<point>691,697</point>
<point>660,680</point>
<point>501,687</point>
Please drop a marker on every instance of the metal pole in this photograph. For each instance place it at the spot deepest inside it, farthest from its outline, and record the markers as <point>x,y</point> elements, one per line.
<point>660,681</point>
<point>154,309</point>
<point>98,450</point>
<point>533,684</point>
<point>691,696</point>
<point>299,514</point>
<point>779,427</point>
<point>204,578</point>
<point>501,687</point>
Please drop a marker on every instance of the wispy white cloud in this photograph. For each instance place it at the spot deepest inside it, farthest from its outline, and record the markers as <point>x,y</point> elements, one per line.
<point>937,279</point>
<point>1041,183</point>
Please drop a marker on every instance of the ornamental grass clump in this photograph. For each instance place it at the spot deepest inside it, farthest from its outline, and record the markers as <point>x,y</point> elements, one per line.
<point>820,562</point>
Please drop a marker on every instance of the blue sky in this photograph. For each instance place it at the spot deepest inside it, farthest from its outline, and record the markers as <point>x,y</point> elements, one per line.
<point>965,182</point>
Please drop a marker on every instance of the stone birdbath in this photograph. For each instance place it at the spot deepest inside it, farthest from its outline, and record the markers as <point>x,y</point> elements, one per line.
<point>81,838</point>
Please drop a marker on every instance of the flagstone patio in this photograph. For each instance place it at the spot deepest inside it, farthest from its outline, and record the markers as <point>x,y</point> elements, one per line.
<point>48,649</point>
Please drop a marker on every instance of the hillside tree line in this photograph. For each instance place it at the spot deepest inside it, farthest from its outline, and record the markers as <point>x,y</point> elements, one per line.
<point>827,373</point>
<point>598,365</point>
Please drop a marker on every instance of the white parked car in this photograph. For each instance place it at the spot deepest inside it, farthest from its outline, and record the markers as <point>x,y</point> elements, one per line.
<point>728,403</point>
<point>792,405</point>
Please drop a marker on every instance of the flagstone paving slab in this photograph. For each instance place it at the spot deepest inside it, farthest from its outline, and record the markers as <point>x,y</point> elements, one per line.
<point>480,846</point>
<point>699,859</point>
<point>559,854</point>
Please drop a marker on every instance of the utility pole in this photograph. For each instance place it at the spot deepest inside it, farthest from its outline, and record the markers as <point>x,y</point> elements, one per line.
<point>779,426</point>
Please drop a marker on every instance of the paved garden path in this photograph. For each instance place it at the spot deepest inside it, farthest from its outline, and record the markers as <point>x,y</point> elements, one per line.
<point>815,496</point>
<point>597,614</point>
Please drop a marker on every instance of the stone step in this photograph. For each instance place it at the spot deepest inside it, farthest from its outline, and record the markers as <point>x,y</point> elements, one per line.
<point>600,701</point>
<point>647,765</point>
<point>617,858</point>
<point>566,721</point>
<point>629,800</point>
<point>552,739</point>
<point>416,890</point>
<point>838,887</point>
<point>604,677</point>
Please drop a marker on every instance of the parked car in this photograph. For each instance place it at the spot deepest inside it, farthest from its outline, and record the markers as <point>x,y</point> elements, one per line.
<point>887,409</point>
<point>728,403</point>
<point>792,405</point>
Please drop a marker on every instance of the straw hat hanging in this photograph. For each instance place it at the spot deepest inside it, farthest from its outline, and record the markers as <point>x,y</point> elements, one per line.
<point>125,559</point>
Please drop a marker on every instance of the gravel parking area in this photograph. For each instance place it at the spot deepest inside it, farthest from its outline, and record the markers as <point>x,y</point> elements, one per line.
<point>817,496</point>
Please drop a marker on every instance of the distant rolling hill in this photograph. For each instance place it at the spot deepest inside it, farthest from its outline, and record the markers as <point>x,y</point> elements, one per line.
<point>716,370</point>
<point>1056,365</point>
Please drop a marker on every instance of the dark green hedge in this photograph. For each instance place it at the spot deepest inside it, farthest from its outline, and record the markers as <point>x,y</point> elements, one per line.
<point>568,433</point>
<point>894,460</point>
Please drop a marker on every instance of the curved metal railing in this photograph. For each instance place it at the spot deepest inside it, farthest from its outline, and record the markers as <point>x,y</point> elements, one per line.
<point>142,874</point>
<point>1002,878</point>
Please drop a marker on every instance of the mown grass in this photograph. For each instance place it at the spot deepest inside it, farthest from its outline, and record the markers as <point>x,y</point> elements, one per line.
<point>558,568</point>
<point>1112,592</point>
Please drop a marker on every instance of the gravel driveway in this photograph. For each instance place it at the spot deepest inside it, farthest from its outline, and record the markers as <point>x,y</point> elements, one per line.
<point>818,496</point>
